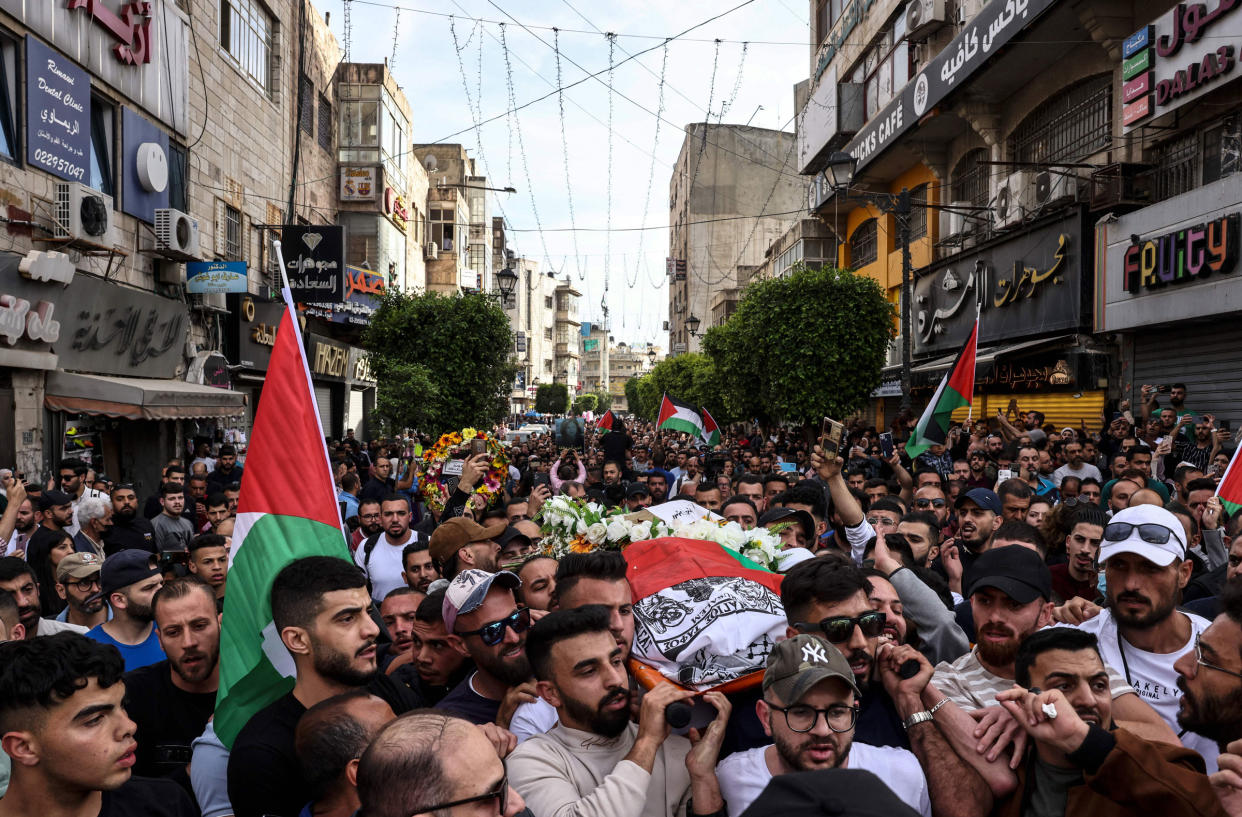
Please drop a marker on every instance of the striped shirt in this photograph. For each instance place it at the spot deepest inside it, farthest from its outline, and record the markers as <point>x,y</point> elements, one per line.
<point>969,685</point>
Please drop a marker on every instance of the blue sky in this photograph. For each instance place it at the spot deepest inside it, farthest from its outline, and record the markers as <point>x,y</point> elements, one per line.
<point>629,263</point>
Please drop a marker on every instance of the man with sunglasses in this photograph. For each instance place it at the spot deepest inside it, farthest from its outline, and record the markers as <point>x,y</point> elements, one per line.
<point>485,623</point>
<point>931,498</point>
<point>1141,631</point>
<point>77,582</point>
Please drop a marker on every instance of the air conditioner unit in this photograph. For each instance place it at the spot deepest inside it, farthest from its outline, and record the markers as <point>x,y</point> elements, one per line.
<point>209,301</point>
<point>1053,186</point>
<point>176,232</point>
<point>170,272</point>
<point>924,17</point>
<point>83,214</point>
<point>433,251</point>
<point>1011,201</point>
<point>957,221</point>
<point>967,9</point>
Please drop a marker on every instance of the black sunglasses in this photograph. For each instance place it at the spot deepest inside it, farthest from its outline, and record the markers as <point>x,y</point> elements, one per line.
<point>501,792</point>
<point>1149,532</point>
<point>838,629</point>
<point>493,632</point>
<point>929,503</point>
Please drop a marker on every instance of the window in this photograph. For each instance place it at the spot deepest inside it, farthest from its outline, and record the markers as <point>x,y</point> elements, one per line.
<point>442,227</point>
<point>359,110</point>
<point>232,233</point>
<point>863,244</point>
<point>884,68</point>
<point>178,167</point>
<point>1070,126</point>
<point>827,12</point>
<point>547,333</point>
<point>918,212</point>
<point>970,178</point>
<point>1177,166</point>
<point>103,130</point>
<point>393,143</point>
<point>547,302</point>
<point>547,367</point>
<point>8,99</point>
<point>246,35</point>
<point>306,103</point>
<point>325,123</point>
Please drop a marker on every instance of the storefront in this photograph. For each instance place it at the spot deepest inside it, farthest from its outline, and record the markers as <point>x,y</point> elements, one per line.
<point>250,338</point>
<point>343,383</point>
<point>1171,287</point>
<point>1031,291</point>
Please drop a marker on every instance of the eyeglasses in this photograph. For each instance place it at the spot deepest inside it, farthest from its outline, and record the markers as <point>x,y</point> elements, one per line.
<point>838,629</point>
<point>1149,532</point>
<point>881,520</point>
<point>1206,665</point>
<point>83,585</point>
<point>802,718</point>
<point>493,632</point>
<point>929,503</point>
<point>501,792</point>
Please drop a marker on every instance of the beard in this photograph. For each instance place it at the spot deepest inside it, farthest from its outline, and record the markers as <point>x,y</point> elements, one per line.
<point>858,655</point>
<point>511,671</point>
<point>124,516</point>
<point>200,671</point>
<point>600,721</point>
<point>1215,717</point>
<point>140,612</point>
<point>337,666</point>
<point>998,653</point>
<point>791,751</point>
<point>1142,620</point>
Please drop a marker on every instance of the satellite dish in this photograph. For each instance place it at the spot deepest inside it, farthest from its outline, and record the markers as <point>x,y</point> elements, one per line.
<point>430,163</point>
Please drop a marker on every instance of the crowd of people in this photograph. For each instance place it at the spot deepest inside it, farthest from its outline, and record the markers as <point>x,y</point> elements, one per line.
<point>1026,621</point>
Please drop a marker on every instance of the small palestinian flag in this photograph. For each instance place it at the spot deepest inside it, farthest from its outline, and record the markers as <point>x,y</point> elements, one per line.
<point>677,416</point>
<point>604,425</point>
<point>283,514</point>
<point>711,431</point>
<point>955,390</point>
<point>1230,488</point>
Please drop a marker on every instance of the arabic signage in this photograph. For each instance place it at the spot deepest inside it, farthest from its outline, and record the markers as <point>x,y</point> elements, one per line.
<point>855,12</point>
<point>216,276</point>
<point>394,208</point>
<point>363,290</point>
<point>358,183</point>
<point>111,329</point>
<point>994,26</point>
<point>314,262</point>
<point>256,323</point>
<point>1027,284</point>
<point>1185,53</point>
<point>131,28</point>
<point>58,113</point>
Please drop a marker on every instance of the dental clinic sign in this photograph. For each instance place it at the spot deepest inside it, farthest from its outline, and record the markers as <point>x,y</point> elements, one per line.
<point>58,113</point>
<point>1187,52</point>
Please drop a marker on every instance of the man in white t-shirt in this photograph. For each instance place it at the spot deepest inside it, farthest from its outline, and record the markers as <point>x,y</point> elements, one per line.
<point>809,706</point>
<point>1074,466</point>
<point>380,555</point>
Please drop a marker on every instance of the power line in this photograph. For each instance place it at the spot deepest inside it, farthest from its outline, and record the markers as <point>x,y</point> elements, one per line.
<point>530,182</point>
<point>569,191</point>
<point>657,227</point>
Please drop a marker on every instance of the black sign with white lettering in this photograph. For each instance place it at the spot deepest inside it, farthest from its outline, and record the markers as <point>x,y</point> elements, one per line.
<point>314,262</point>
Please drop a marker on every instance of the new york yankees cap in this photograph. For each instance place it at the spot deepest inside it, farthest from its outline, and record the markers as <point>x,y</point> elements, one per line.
<point>797,664</point>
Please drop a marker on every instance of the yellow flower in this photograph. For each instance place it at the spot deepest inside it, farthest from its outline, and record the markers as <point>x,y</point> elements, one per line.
<point>469,433</point>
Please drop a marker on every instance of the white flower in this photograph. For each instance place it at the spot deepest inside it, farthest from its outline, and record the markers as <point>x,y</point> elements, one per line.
<point>618,529</point>
<point>580,527</point>
<point>641,531</point>
<point>595,533</point>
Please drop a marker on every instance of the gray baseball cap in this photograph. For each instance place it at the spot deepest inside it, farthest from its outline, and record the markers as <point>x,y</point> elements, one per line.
<point>797,664</point>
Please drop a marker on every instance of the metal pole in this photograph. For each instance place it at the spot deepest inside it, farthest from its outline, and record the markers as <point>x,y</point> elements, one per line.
<point>903,226</point>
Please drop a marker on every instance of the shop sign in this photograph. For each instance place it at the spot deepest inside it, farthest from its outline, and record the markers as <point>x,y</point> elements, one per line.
<point>1181,256</point>
<point>994,26</point>
<point>1186,52</point>
<point>19,318</point>
<point>131,28</point>
<point>328,359</point>
<point>58,113</point>
<point>357,184</point>
<point>359,370</point>
<point>363,291</point>
<point>395,209</point>
<point>257,322</point>
<point>314,262</point>
<point>216,276</point>
<point>111,329</point>
<point>1025,284</point>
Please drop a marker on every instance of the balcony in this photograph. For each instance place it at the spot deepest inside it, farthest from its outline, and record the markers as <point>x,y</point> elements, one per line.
<point>566,350</point>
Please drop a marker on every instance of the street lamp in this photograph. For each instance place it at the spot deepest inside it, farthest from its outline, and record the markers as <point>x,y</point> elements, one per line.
<point>506,280</point>
<point>692,325</point>
<point>479,187</point>
<point>651,356</point>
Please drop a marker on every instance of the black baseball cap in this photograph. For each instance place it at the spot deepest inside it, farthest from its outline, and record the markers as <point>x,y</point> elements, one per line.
<point>828,793</point>
<point>123,568</point>
<point>790,514</point>
<point>54,499</point>
<point>510,534</point>
<point>1015,570</point>
<point>984,498</point>
<point>636,489</point>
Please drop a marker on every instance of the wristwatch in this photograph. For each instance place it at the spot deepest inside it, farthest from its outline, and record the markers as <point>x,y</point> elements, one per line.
<point>924,716</point>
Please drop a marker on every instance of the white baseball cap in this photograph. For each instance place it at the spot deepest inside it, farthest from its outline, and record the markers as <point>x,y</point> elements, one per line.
<point>467,590</point>
<point>1126,532</point>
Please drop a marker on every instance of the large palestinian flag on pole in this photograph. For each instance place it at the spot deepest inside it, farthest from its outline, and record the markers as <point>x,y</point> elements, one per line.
<point>678,416</point>
<point>711,431</point>
<point>1230,488</point>
<point>955,390</point>
<point>283,514</point>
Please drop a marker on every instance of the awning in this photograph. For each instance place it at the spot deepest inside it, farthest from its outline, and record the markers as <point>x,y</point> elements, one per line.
<point>136,398</point>
<point>987,355</point>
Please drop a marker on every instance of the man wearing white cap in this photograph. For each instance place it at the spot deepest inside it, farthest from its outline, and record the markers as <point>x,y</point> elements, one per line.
<point>1141,632</point>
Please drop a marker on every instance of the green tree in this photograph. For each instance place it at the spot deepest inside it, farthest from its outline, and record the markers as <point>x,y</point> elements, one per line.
<point>603,400</point>
<point>632,400</point>
<point>691,378</point>
<point>552,398</point>
<point>441,361</point>
<point>586,402</point>
<point>802,346</point>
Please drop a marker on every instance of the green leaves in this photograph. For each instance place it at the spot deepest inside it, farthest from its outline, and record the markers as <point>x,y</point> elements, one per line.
<point>552,398</point>
<point>586,402</point>
<point>441,361</point>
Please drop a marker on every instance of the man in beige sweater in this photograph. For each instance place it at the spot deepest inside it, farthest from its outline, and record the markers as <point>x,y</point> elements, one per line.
<point>595,762</point>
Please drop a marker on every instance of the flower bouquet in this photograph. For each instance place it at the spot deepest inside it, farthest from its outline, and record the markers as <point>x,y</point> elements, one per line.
<point>435,492</point>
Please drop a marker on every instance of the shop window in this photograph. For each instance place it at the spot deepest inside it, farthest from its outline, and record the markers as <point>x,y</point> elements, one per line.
<point>864,244</point>
<point>178,158</point>
<point>971,177</point>
<point>8,98</point>
<point>103,141</point>
<point>246,36</point>
<point>1070,126</point>
<point>306,105</point>
<point>325,123</point>
<point>918,212</point>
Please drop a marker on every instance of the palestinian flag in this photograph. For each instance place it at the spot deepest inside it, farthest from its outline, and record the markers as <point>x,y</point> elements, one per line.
<point>604,424</point>
<point>955,390</point>
<point>678,416</point>
<point>283,514</point>
<point>711,431</point>
<point>1230,488</point>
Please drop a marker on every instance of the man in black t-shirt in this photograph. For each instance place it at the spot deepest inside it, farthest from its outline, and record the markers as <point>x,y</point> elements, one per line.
<point>130,530</point>
<point>319,607</point>
<point>172,700</point>
<point>616,445</point>
<point>73,753</point>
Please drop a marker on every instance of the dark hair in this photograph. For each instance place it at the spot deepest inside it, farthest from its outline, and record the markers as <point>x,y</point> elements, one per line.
<point>1180,472</point>
<point>875,482</point>
<point>419,544</point>
<point>558,626</point>
<point>517,500</point>
<point>397,592</point>
<point>748,479</point>
<point>327,739</point>
<point>395,497</point>
<point>227,450</point>
<point>781,478</point>
<point>1070,639</point>
<point>431,609</point>
<point>207,540</point>
<point>1136,450</point>
<point>738,499</point>
<point>705,486</point>
<point>605,565</point>
<point>8,611</point>
<point>368,501</point>
<point>11,567</point>
<point>350,482</point>
<point>888,503</point>
<point>1018,531</point>
<point>1230,600</point>
<point>38,556</point>
<point>217,498</point>
<point>820,581</point>
<point>79,468</point>
<point>179,588</point>
<point>1015,487</point>
<point>43,672</point>
<point>403,772</point>
<point>171,488</point>
<point>1088,515</point>
<point>1201,484</point>
<point>810,496</point>
<point>1178,509</point>
<point>1068,480</point>
<point>299,587</point>
<point>926,518</point>
<point>1093,481</point>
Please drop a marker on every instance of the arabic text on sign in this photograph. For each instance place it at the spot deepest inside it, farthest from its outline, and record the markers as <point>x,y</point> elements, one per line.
<point>1026,280</point>
<point>133,330</point>
<point>18,319</point>
<point>131,28</point>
